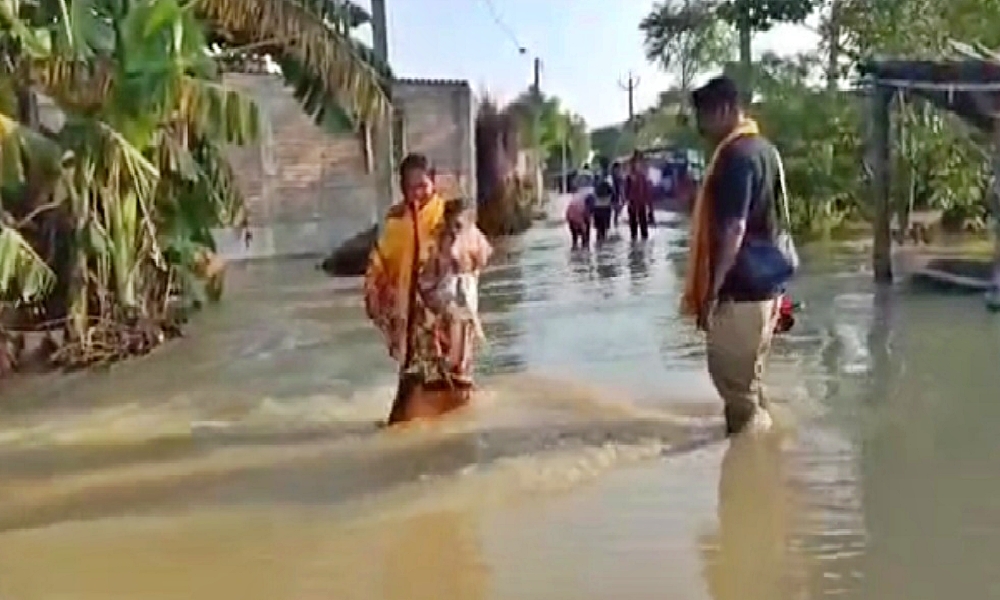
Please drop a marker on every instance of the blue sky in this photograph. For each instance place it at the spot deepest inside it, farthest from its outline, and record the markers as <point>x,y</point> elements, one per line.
<point>586,47</point>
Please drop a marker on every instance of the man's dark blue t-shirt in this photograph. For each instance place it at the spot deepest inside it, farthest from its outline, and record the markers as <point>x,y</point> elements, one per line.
<point>744,187</point>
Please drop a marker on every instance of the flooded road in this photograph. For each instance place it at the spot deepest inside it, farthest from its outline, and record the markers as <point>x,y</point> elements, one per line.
<point>244,461</point>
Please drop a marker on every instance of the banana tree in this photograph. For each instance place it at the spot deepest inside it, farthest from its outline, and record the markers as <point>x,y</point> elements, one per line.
<point>131,183</point>
<point>361,80</point>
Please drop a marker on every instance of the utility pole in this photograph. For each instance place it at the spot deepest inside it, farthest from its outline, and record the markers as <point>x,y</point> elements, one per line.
<point>629,86</point>
<point>383,130</point>
<point>536,93</point>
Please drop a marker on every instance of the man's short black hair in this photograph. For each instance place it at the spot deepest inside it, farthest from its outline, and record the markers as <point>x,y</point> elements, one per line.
<point>412,162</point>
<point>720,92</point>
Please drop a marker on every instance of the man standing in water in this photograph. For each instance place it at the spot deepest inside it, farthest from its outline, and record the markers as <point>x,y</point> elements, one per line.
<point>639,196</point>
<point>736,204</point>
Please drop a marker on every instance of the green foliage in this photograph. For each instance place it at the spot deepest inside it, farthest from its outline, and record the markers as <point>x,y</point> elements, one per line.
<point>686,38</point>
<point>696,29</point>
<point>761,15</point>
<point>505,202</point>
<point>820,137</point>
<point>612,140</point>
<point>937,165</point>
<point>105,215</point>
<point>939,162</point>
<point>341,17</point>
<point>546,121</point>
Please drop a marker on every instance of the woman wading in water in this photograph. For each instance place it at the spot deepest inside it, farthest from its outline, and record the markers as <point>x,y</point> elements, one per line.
<point>420,291</point>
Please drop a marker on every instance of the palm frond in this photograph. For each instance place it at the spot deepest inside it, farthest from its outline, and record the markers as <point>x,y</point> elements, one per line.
<point>23,274</point>
<point>328,112</point>
<point>22,148</point>
<point>116,165</point>
<point>203,181</point>
<point>221,184</point>
<point>301,33</point>
<point>111,177</point>
<point>80,85</point>
<point>215,111</point>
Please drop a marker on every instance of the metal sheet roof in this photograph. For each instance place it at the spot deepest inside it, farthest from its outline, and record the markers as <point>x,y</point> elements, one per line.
<point>968,87</point>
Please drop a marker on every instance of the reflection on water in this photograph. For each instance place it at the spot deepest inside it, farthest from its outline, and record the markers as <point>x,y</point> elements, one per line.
<point>452,572</point>
<point>751,555</point>
<point>244,460</point>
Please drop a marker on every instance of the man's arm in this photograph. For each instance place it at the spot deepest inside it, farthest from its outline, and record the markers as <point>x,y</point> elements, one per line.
<point>732,205</point>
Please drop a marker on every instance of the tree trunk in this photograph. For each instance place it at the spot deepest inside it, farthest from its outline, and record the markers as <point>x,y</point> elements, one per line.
<point>833,40</point>
<point>746,59</point>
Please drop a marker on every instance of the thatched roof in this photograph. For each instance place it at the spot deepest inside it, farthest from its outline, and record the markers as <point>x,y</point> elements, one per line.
<point>967,84</point>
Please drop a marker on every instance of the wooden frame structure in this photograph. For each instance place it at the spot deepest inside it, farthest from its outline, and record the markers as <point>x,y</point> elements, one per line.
<point>968,86</point>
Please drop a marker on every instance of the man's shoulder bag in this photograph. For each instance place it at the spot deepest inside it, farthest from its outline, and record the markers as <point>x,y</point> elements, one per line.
<point>771,264</point>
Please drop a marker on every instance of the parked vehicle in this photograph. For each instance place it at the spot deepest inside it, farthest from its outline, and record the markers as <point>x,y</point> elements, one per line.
<point>676,174</point>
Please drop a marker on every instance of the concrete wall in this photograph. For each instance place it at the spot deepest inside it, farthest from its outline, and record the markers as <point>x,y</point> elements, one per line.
<point>439,121</point>
<point>308,191</point>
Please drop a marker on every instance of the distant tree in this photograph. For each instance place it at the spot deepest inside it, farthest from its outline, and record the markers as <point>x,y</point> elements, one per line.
<point>754,16</point>
<point>686,38</point>
<point>692,17</point>
<point>613,140</point>
<point>555,126</point>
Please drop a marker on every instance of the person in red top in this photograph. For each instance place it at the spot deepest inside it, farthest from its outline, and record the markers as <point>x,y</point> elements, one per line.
<point>639,196</point>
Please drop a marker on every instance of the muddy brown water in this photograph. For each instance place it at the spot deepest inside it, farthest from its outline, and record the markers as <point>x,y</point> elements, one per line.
<point>244,461</point>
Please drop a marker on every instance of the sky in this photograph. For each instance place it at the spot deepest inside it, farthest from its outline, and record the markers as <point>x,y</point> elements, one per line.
<point>587,48</point>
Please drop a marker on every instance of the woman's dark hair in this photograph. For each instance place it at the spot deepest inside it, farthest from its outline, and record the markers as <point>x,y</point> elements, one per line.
<point>720,92</point>
<point>412,162</point>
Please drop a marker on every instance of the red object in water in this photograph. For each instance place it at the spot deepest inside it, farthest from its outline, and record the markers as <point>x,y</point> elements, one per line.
<point>786,315</point>
<point>787,307</point>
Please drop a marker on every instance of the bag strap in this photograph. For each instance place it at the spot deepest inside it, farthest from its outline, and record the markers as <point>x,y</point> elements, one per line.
<point>783,210</point>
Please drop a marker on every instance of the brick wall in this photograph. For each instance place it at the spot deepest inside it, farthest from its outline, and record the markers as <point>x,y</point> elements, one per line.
<point>310,174</point>
<point>439,121</point>
<point>312,191</point>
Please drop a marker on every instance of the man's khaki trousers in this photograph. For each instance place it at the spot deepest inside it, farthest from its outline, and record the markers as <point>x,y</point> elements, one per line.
<point>739,341</point>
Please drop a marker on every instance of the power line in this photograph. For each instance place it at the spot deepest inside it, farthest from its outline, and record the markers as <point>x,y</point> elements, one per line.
<point>499,22</point>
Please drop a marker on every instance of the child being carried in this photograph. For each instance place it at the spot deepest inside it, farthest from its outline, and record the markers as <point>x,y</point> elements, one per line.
<point>449,285</point>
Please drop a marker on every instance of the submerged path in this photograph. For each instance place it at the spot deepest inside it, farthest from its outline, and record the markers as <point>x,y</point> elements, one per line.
<point>244,459</point>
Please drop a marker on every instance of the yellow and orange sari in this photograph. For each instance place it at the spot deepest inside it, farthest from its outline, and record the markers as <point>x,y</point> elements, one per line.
<point>389,289</point>
<point>414,261</point>
<point>698,284</point>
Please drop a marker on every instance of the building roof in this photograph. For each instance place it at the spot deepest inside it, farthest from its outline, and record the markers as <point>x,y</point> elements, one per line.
<point>966,86</point>
<point>437,82</point>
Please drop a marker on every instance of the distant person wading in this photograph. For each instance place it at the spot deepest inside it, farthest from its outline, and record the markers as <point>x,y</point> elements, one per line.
<point>639,197</point>
<point>603,203</point>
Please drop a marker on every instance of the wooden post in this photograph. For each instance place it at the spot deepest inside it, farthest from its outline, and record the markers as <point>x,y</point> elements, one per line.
<point>383,131</point>
<point>881,98</point>
<point>994,200</point>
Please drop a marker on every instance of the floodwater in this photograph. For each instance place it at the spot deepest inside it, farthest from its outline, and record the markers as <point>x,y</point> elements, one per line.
<point>244,461</point>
